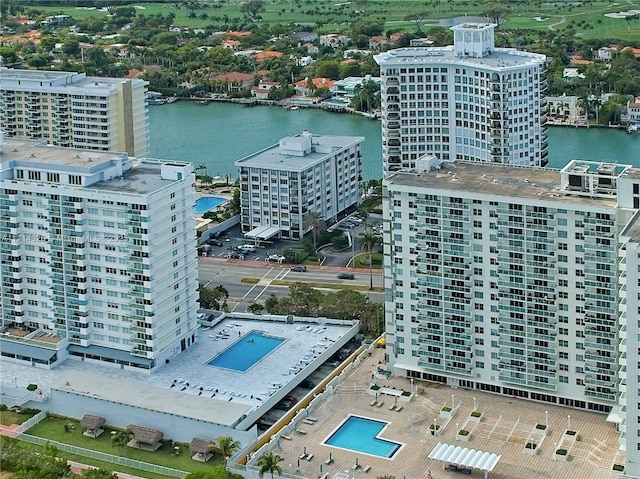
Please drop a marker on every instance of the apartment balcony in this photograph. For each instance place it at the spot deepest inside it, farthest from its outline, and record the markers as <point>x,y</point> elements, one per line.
<point>392,90</point>
<point>393,125</point>
<point>392,99</point>
<point>392,82</point>
<point>394,160</point>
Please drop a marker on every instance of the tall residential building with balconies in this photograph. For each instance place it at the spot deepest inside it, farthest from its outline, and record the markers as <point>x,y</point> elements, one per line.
<point>74,110</point>
<point>281,184</point>
<point>98,256</point>
<point>506,280</point>
<point>468,101</point>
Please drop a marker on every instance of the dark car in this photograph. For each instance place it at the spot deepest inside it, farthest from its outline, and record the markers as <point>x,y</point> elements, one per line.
<point>299,268</point>
<point>346,276</point>
<point>307,384</point>
<point>284,405</point>
<point>214,242</point>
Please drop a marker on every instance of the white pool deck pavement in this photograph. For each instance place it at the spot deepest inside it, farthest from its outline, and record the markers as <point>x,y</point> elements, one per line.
<point>190,369</point>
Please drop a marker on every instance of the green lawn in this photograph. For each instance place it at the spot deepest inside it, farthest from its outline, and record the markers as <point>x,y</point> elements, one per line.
<point>337,16</point>
<point>7,418</point>
<point>54,428</point>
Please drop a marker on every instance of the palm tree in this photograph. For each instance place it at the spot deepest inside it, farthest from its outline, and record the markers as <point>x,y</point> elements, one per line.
<point>120,440</point>
<point>225,446</point>
<point>269,462</point>
<point>313,220</point>
<point>368,241</point>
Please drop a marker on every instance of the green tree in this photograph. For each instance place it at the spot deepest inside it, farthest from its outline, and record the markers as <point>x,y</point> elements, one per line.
<point>225,446</point>
<point>91,473</point>
<point>255,308</point>
<point>253,8</point>
<point>314,221</point>
<point>418,18</point>
<point>120,440</point>
<point>213,298</point>
<point>269,462</point>
<point>368,241</point>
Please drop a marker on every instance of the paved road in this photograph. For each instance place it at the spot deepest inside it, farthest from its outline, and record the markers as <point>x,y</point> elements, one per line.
<point>230,273</point>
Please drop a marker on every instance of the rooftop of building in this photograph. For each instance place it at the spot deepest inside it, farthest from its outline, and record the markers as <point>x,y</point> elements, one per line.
<point>632,228</point>
<point>274,158</point>
<point>496,180</point>
<point>13,78</point>
<point>38,152</point>
<point>141,176</point>
<point>176,386</point>
<point>498,58</point>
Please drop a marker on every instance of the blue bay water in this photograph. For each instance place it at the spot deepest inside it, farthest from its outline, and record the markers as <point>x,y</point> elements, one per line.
<point>217,135</point>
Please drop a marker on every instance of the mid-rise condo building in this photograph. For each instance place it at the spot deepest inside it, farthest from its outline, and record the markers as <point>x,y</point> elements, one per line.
<point>74,110</point>
<point>98,256</point>
<point>508,280</point>
<point>281,184</point>
<point>468,101</point>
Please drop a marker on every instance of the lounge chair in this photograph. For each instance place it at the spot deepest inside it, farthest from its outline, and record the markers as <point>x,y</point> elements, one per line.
<point>306,421</point>
<point>399,408</point>
<point>302,456</point>
<point>329,461</point>
<point>373,403</point>
<point>312,419</point>
<point>301,431</point>
<point>380,404</point>
<point>366,469</point>
<point>392,407</point>
<point>309,457</point>
<point>288,438</point>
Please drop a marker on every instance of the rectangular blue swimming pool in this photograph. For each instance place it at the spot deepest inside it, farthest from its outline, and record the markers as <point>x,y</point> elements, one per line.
<point>207,203</point>
<point>246,351</point>
<point>360,434</point>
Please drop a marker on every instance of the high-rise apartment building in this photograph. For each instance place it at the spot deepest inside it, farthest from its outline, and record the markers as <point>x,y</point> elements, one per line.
<point>506,279</point>
<point>74,110</point>
<point>98,256</point>
<point>468,101</point>
<point>281,184</point>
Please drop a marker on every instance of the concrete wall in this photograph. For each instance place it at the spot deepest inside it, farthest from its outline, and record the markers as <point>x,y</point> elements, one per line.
<point>224,226</point>
<point>120,415</point>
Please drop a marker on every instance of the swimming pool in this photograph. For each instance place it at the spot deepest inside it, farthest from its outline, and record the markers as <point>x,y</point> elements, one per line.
<point>360,434</point>
<point>246,352</point>
<point>337,101</point>
<point>206,203</point>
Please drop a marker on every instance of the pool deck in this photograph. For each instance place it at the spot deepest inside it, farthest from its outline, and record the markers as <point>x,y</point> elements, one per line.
<point>507,424</point>
<point>190,369</point>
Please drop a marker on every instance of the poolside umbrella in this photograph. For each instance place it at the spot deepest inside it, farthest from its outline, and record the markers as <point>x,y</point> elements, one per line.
<point>356,460</point>
<point>330,458</point>
<point>320,468</point>
<point>298,462</point>
<point>305,449</point>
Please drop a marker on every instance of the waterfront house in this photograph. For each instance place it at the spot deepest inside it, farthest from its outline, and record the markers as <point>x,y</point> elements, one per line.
<point>633,111</point>
<point>348,87</point>
<point>235,81</point>
<point>307,87</point>
<point>564,108</point>
<point>261,91</point>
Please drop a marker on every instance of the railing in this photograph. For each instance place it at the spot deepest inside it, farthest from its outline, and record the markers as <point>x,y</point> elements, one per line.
<point>102,456</point>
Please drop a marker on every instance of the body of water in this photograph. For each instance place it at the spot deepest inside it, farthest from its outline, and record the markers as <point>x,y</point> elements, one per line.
<point>218,134</point>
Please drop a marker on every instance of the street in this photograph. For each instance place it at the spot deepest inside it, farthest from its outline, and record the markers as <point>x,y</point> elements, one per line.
<point>230,273</point>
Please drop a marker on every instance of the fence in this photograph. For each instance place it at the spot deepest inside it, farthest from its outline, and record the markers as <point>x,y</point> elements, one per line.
<point>102,456</point>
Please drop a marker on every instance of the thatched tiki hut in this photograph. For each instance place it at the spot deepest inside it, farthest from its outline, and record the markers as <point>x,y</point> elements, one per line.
<point>145,438</point>
<point>92,426</point>
<point>201,448</point>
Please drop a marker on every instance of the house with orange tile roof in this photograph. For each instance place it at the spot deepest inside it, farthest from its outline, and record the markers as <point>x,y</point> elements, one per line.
<point>230,44</point>
<point>635,51</point>
<point>396,37</point>
<point>378,42</point>
<point>307,87</point>
<point>311,48</point>
<point>262,56</point>
<point>235,81</point>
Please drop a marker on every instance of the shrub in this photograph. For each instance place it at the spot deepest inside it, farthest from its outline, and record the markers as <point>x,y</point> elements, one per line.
<point>32,387</point>
<point>446,408</point>
<point>541,426</point>
<point>531,445</point>
<point>375,387</point>
<point>570,433</point>
<point>618,467</point>
<point>3,407</point>
<point>561,452</point>
<point>406,393</point>
<point>463,432</point>
<point>476,414</point>
<point>434,426</point>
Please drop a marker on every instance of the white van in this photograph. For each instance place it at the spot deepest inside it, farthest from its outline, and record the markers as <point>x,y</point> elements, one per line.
<point>248,247</point>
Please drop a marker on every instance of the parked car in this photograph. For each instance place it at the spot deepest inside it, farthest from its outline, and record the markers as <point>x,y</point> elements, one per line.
<point>300,268</point>
<point>307,384</point>
<point>346,276</point>
<point>291,398</point>
<point>215,242</point>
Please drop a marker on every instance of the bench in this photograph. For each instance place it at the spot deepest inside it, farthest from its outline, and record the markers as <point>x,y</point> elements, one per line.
<point>367,469</point>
